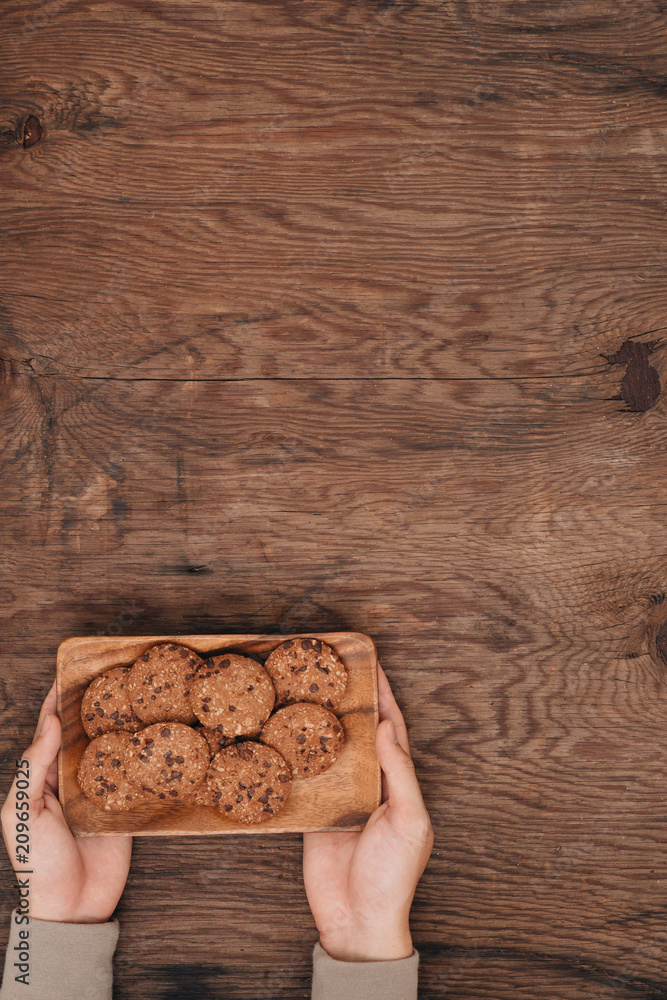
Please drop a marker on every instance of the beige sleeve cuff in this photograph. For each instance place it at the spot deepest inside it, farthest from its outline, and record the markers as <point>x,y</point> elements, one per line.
<point>59,961</point>
<point>334,980</point>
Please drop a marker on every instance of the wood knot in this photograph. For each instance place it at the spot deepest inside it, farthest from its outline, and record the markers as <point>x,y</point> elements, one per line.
<point>32,132</point>
<point>641,383</point>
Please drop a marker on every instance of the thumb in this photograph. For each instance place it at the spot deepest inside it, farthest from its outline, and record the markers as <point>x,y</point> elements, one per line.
<point>41,754</point>
<point>404,794</point>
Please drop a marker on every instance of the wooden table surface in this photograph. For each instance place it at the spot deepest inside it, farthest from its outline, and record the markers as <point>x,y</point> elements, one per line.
<point>350,316</point>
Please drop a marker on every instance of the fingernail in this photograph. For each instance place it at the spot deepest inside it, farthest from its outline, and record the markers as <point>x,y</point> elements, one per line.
<point>45,724</point>
<point>391,732</point>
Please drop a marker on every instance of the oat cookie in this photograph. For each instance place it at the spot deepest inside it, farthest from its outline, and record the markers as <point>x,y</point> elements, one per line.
<point>308,736</point>
<point>166,760</point>
<point>307,670</point>
<point>159,683</point>
<point>102,777</point>
<point>249,782</point>
<point>234,692</point>
<point>105,706</point>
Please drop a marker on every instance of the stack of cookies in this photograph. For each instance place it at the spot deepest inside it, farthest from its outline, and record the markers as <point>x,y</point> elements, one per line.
<point>226,732</point>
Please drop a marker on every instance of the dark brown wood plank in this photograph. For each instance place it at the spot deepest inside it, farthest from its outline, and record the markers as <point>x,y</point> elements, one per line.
<point>272,190</point>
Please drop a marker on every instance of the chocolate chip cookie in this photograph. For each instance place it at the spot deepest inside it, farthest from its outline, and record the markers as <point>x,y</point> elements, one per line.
<point>234,692</point>
<point>103,778</point>
<point>308,736</point>
<point>159,683</point>
<point>249,782</point>
<point>105,706</point>
<point>166,760</point>
<point>307,670</point>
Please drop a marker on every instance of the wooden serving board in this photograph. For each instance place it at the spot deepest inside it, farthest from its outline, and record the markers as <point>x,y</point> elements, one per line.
<point>340,799</point>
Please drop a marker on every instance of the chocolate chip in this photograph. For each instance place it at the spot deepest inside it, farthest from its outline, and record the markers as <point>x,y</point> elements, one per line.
<point>174,647</point>
<point>269,791</point>
<point>145,656</point>
<point>206,699</point>
<point>324,670</point>
<point>267,809</point>
<point>228,808</point>
<point>112,787</point>
<point>173,792</point>
<point>114,715</point>
<point>302,668</point>
<point>144,759</point>
<point>301,738</point>
<point>189,677</point>
<point>239,798</point>
<point>100,791</point>
<point>288,644</point>
<point>152,697</point>
<point>267,763</point>
<point>176,775</point>
<point>282,778</point>
<point>91,715</point>
<point>206,708</point>
<point>329,703</point>
<point>317,646</point>
<point>241,785</point>
<point>251,687</point>
<point>106,696</point>
<point>148,752</point>
<point>165,733</point>
<point>98,777</point>
<point>263,798</point>
<point>192,662</point>
<point>99,729</point>
<point>161,795</point>
<point>100,712</point>
<point>164,773</point>
<point>251,792</point>
<point>245,753</point>
<point>136,741</point>
<point>115,763</point>
<point>336,729</point>
<point>158,689</point>
<point>306,643</point>
<point>224,664</point>
<point>186,693</point>
<point>167,686</point>
<point>232,708</point>
<point>179,759</point>
<point>183,653</point>
<point>313,688</point>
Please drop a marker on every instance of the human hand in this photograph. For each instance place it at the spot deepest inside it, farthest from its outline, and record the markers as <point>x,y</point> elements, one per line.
<point>360,886</point>
<point>72,880</point>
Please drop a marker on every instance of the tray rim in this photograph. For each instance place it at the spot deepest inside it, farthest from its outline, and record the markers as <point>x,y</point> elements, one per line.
<point>72,642</point>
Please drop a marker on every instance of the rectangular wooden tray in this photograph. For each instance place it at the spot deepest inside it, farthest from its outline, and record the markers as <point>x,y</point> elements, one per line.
<point>340,799</point>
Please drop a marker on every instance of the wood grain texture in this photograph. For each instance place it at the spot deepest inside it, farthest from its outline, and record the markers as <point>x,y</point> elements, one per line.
<point>341,799</point>
<point>350,317</point>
